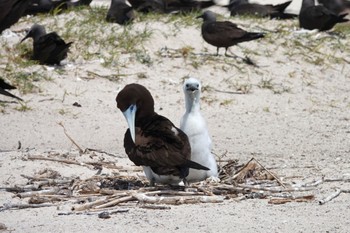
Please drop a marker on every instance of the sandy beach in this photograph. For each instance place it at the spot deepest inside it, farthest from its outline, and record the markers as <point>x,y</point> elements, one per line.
<point>291,112</point>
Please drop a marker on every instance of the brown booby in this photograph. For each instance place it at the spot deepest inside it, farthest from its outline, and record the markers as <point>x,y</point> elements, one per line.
<point>48,48</point>
<point>195,127</point>
<point>120,12</point>
<point>152,140</point>
<point>318,17</point>
<point>5,86</point>
<point>243,7</point>
<point>224,34</point>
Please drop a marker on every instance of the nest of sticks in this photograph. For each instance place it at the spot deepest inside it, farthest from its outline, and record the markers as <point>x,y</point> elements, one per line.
<point>109,194</point>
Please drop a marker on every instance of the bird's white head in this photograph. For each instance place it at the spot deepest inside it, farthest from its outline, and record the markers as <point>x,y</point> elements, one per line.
<point>192,89</point>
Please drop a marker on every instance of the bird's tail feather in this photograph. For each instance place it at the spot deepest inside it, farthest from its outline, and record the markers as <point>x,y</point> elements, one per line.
<point>253,36</point>
<point>282,7</point>
<point>341,18</point>
<point>194,165</point>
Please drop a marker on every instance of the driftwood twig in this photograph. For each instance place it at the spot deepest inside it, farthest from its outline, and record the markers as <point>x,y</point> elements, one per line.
<point>81,151</point>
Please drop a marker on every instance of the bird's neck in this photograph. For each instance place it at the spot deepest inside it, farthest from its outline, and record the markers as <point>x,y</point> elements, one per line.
<point>307,3</point>
<point>192,103</point>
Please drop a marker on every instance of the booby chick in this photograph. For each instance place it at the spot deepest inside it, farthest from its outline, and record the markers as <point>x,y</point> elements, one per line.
<point>152,140</point>
<point>48,48</point>
<point>194,125</point>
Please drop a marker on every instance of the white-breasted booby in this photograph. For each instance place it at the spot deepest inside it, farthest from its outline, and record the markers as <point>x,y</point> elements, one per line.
<point>194,125</point>
<point>152,140</point>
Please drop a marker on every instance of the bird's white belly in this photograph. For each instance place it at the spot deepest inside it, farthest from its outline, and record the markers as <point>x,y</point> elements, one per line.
<point>163,179</point>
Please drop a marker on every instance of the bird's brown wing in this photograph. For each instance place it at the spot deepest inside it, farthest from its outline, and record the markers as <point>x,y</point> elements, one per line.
<point>225,29</point>
<point>158,144</point>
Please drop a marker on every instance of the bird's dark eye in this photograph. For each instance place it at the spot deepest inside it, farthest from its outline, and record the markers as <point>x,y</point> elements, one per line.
<point>197,85</point>
<point>187,85</point>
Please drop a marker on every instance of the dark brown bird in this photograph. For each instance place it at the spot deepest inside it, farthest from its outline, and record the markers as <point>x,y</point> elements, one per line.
<point>120,12</point>
<point>11,11</point>
<point>5,86</point>
<point>318,17</point>
<point>336,6</point>
<point>224,34</point>
<point>46,6</point>
<point>152,140</point>
<point>243,7</point>
<point>147,6</point>
<point>47,48</point>
<point>170,6</point>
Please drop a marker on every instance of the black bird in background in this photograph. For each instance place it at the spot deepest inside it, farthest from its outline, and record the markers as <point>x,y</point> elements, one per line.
<point>152,140</point>
<point>120,12</point>
<point>318,17</point>
<point>5,86</point>
<point>224,34</point>
<point>170,6</point>
<point>11,11</point>
<point>45,6</point>
<point>47,48</point>
<point>336,6</point>
<point>243,7</point>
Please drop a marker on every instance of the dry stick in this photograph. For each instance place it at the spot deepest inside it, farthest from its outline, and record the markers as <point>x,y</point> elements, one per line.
<point>275,189</point>
<point>98,202</point>
<point>330,197</point>
<point>173,192</point>
<point>296,199</point>
<point>277,179</point>
<point>94,213</point>
<point>90,204</point>
<point>24,206</point>
<point>177,200</point>
<point>336,179</point>
<point>81,151</point>
<point>102,152</point>
<point>35,193</point>
<point>115,202</point>
<point>155,207</point>
<point>230,92</point>
<point>33,157</point>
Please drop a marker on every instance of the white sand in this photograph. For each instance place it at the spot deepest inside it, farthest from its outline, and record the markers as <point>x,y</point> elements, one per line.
<point>304,131</point>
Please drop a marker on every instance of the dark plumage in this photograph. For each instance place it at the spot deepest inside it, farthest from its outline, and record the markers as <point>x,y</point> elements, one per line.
<point>224,34</point>
<point>243,7</point>
<point>120,12</point>
<point>336,6</point>
<point>11,11</point>
<point>45,6</point>
<point>185,6</point>
<point>152,140</point>
<point>47,48</point>
<point>169,6</point>
<point>146,6</point>
<point>318,17</point>
<point>5,86</point>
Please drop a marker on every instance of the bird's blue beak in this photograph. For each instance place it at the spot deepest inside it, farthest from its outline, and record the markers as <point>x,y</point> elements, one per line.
<point>129,115</point>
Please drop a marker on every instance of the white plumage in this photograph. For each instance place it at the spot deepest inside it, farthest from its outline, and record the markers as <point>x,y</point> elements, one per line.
<point>194,125</point>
